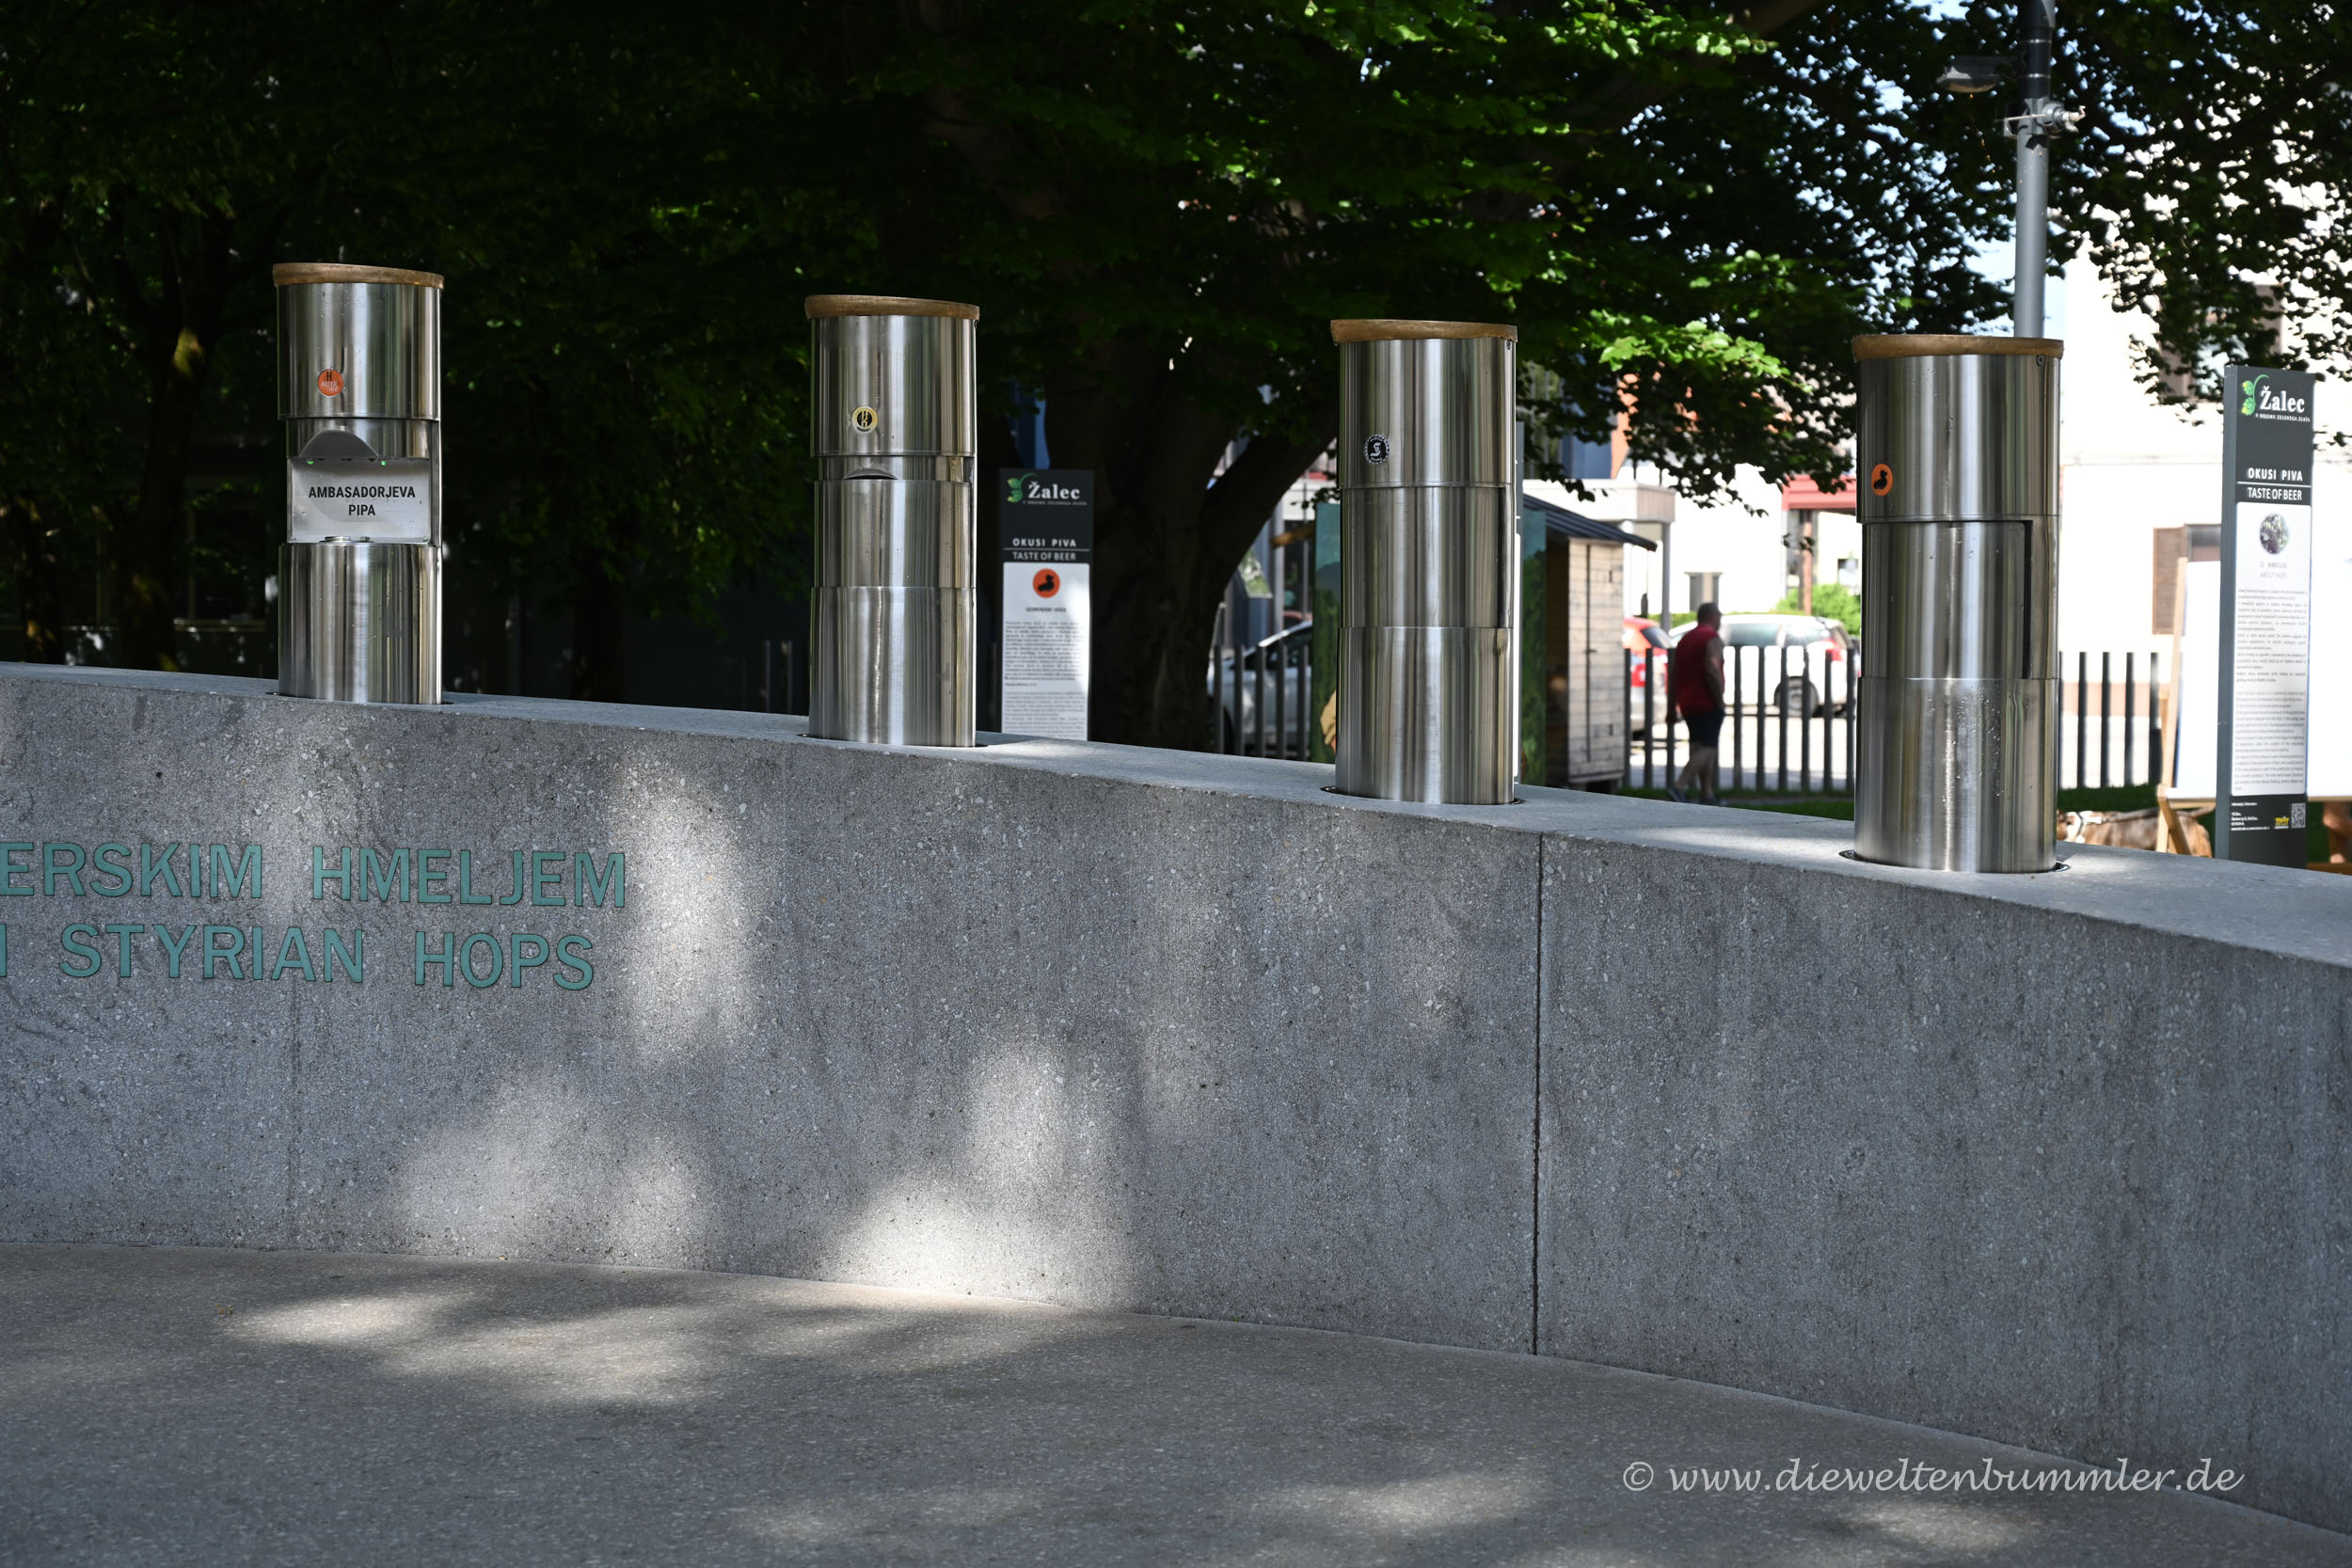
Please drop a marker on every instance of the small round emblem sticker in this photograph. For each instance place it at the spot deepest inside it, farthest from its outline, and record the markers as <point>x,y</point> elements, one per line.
<point>330,383</point>
<point>1376,449</point>
<point>1882,478</point>
<point>864,418</point>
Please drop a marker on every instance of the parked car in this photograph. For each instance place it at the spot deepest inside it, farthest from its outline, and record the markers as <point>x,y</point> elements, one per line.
<point>1648,645</point>
<point>1233,680</point>
<point>1822,672</point>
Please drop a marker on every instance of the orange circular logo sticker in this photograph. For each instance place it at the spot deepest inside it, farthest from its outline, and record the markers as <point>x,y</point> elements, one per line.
<point>1047,583</point>
<point>330,383</point>
<point>1882,478</point>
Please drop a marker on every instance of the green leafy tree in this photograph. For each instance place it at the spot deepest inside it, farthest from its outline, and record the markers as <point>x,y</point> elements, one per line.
<point>2207,177</point>
<point>1832,601</point>
<point>1161,206</point>
<point>618,376</point>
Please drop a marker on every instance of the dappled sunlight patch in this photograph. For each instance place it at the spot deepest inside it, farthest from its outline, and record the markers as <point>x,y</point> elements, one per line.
<point>540,1169</point>
<point>878,1523</point>
<point>1950,1527</point>
<point>389,1318</point>
<point>630,1355</point>
<point>1022,1201</point>
<point>912,1340</point>
<point>1421,1504</point>
<point>695,949</point>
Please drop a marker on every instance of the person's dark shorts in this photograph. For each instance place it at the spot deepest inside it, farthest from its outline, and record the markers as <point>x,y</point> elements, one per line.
<point>1705,728</point>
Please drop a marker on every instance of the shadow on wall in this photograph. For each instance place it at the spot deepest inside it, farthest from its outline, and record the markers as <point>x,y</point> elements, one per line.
<point>1067,1097</point>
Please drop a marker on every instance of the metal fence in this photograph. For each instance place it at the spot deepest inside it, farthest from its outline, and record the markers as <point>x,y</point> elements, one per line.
<point>1789,723</point>
<point>2118,739</point>
<point>1261,691</point>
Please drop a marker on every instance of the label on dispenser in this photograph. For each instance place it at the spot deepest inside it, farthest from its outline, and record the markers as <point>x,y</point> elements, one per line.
<point>359,499</point>
<point>1047,527</point>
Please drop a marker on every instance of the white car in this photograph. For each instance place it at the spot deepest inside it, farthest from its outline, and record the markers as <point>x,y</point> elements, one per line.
<point>1823,663</point>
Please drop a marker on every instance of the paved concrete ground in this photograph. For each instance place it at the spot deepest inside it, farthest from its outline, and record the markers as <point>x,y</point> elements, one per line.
<point>194,1406</point>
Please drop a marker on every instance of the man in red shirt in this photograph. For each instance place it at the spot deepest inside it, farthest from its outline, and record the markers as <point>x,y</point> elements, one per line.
<point>1695,686</point>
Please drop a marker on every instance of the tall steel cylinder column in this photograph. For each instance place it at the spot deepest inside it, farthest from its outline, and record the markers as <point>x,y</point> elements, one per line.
<point>1428,694</point>
<point>359,392</point>
<point>896,598</point>
<point>1956,747</point>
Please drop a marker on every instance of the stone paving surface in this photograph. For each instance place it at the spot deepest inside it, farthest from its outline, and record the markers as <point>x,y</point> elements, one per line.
<point>198,1407</point>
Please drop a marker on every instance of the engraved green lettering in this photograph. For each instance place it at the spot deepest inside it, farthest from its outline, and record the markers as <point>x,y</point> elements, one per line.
<point>51,868</point>
<point>9,870</point>
<point>590,885</point>
<point>80,950</point>
<point>293,952</point>
<point>515,896</point>
<point>151,868</point>
<point>564,956</point>
<point>214,954</point>
<point>446,958</point>
<point>245,875</point>
<point>497,961</point>
<point>427,876</point>
<point>320,876</point>
<point>352,959</point>
<point>121,873</point>
<point>172,950</point>
<point>537,958</point>
<point>122,935</point>
<point>386,883</point>
<point>466,895</point>
<point>542,879</point>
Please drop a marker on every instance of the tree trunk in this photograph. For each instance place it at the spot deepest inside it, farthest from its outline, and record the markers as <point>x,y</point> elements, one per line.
<point>599,669</point>
<point>148,533</point>
<point>1167,538</point>
<point>174,337</point>
<point>33,544</point>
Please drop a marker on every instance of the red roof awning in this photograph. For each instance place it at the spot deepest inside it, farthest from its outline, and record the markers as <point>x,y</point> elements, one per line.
<point>1803,494</point>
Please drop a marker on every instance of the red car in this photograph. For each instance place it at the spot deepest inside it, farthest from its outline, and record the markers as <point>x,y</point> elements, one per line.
<point>1643,637</point>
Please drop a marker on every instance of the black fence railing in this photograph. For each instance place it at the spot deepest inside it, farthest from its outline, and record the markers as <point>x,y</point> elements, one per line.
<point>1790,713</point>
<point>1260,692</point>
<point>1790,722</point>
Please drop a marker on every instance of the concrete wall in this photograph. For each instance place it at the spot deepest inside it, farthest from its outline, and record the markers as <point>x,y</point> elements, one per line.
<point>2056,1160</point>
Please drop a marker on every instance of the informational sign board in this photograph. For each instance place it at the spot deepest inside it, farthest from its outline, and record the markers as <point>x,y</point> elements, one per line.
<point>2260,740</point>
<point>1046,537</point>
<point>2330,770</point>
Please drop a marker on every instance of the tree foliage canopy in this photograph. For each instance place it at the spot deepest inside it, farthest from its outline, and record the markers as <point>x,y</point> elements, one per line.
<point>1688,210</point>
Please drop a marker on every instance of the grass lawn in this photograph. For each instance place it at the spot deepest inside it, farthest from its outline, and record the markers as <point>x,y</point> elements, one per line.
<point>1841,807</point>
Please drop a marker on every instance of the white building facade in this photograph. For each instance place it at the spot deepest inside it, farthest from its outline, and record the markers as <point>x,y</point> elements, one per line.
<point>2136,475</point>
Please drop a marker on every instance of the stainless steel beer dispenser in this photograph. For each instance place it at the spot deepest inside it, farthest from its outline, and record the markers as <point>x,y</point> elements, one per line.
<point>1958,460</point>
<point>359,576</point>
<point>896,597</point>
<point>1428,698</point>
